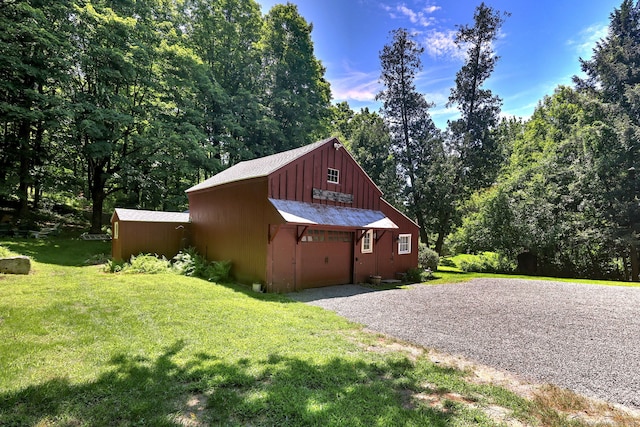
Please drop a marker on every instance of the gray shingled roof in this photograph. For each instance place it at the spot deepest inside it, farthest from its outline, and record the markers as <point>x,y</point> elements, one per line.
<point>137,215</point>
<point>257,167</point>
<point>317,214</point>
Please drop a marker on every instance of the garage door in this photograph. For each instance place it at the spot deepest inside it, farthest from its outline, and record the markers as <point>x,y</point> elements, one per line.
<point>326,258</point>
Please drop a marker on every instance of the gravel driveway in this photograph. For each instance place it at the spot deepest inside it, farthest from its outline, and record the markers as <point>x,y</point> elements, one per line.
<point>583,337</point>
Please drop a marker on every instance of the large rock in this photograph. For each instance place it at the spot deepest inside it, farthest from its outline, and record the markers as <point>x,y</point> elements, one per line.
<point>15,265</point>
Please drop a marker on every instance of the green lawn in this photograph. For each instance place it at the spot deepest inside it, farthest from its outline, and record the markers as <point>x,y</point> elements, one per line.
<point>454,274</point>
<point>82,347</point>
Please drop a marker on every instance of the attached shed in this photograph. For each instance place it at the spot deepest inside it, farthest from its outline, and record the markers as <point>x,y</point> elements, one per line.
<point>303,218</point>
<point>140,231</point>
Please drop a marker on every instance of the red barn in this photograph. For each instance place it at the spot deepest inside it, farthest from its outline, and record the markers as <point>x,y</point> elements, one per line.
<point>307,217</point>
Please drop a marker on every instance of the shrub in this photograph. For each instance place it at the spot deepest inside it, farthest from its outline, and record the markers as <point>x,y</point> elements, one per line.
<point>414,275</point>
<point>114,266</point>
<point>147,263</point>
<point>190,263</point>
<point>218,271</point>
<point>488,263</point>
<point>427,258</point>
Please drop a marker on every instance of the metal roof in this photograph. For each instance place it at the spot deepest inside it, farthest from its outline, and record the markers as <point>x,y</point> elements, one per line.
<point>317,214</point>
<point>137,215</point>
<point>255,168</point>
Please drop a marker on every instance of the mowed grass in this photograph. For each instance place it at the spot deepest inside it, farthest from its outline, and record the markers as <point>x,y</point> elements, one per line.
<point>453,274</point>
<point>80,347</point>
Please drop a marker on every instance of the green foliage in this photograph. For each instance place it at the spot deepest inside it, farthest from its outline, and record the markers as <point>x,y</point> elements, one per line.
<point>147,264</point>
<point>114,266</point>
<point>139,264</point>
<point>130,103</point>
<point>414,275</point>
<point>488,263</point>
<point>415,141</point>
<point>427,258</point>
<point>189,263</point>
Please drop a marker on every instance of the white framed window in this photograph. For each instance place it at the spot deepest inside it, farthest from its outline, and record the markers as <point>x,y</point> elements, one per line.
<point>404,244</point>
<point>367,242</point>
<point>116,229</point>
<point>333,176</point>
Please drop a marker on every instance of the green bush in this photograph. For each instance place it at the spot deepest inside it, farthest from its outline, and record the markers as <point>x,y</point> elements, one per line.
<point>427,258</point>
<point>143,263</point>
<point>218,271</point>
<point>414,275</point>
<point>147,263</point>
<point>114,266</point>
<point>189,263</point>
<point>488,263</point>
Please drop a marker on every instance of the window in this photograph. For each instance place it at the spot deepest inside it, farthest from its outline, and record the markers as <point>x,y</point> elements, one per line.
<point>333,176</point>
<point>404,244</point>
<point>115,229</point>
<point>313,236</point>
<point>367,242</point>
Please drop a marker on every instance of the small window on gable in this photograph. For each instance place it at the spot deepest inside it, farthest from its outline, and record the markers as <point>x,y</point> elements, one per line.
<point>116,229</point>
<point>333,176</point>
<point>367,242</point>
<point>404,244</point>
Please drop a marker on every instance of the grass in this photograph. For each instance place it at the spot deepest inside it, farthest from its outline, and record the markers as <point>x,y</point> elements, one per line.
<point>82,347</point>
<point>453,274</point>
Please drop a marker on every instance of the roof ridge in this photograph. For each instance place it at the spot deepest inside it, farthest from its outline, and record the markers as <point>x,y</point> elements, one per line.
<point>258,167</point>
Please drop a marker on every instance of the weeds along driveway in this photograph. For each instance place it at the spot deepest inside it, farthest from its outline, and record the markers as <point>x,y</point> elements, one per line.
<point>582,337</point>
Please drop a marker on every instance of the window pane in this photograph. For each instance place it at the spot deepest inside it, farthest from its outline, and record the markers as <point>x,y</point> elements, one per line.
<point>404,244</point>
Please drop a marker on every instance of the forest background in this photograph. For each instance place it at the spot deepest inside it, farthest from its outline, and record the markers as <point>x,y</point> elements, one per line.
<point>128,103</point>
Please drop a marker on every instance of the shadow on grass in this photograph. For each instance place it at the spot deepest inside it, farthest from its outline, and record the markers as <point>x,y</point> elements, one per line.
<point>205,389</point>
<point>63,251</point>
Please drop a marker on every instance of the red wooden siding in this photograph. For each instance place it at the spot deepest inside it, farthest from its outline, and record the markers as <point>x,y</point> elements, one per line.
<point>230,222</point>
<point>297,180</point>
<point>135,237</point>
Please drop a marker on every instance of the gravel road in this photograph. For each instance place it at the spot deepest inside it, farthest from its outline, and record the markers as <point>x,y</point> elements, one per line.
<point>582,337</point>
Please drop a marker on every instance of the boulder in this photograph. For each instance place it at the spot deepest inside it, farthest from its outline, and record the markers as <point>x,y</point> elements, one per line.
<point>15,265</point>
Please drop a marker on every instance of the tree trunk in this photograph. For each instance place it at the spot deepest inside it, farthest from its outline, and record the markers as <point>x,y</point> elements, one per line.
<point>424,237</point>
<point>96,184</point>
<point>440,242</point>
<point>635,263</point>
<point>24,133</point>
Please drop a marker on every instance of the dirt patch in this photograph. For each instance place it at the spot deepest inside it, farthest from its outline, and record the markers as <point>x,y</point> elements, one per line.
<point>193,413</point>
<point>562,402</point>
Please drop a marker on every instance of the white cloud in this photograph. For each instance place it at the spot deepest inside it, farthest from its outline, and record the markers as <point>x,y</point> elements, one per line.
<point>441,44</point>
<point>417,17</point>
<point>586,39</point>
<point>356,86</point>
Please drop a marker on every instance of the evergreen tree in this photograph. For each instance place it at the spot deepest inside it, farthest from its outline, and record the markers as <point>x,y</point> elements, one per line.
<point>406,112</point>
<point>476,153</point>
<point>613,77</point>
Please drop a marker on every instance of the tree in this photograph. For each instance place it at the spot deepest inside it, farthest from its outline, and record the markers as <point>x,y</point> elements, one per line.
<point>613,78</point>
<point>370,144</point>
<point>548,198</point>
<point>297,95</point>
<point>406,113</point>
<point>34,60</point>
<point>471,136</point>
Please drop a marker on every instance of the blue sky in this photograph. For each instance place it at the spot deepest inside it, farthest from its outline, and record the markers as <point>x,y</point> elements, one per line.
<point>539,46</point>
